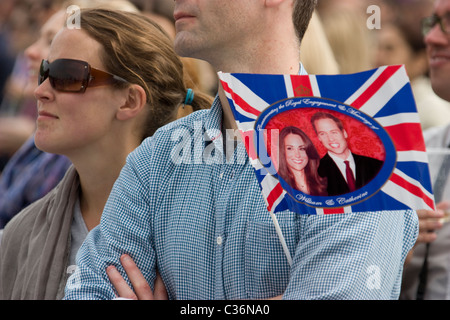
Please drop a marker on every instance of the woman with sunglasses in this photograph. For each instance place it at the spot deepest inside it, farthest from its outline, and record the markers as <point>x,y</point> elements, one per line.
<point>104,88</point>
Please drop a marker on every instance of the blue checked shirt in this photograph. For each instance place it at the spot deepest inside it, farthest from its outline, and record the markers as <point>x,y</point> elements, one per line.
<point>199,218</point>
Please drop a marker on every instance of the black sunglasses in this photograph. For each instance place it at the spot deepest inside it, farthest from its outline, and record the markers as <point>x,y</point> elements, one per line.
<point>429,22</point>
<point>69,75</point>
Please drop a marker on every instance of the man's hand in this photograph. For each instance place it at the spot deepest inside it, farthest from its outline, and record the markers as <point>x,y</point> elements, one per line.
<point>430,222</point>
<point>142,290</point>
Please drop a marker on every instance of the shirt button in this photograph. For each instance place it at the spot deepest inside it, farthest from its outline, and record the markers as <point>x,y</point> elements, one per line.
<point>219,240</point>
<point>221,175</point>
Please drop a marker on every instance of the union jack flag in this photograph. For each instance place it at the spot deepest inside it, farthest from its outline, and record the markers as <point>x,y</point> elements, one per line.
<point>383,95</point>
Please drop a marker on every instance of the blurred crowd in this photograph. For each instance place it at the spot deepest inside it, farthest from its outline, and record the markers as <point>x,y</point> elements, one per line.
<point>365,34</point>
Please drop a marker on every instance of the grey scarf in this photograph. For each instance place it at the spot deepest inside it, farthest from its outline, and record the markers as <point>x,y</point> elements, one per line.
<point>35,245</point>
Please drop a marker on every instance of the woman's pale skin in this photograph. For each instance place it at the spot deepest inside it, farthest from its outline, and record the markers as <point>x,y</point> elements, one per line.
<point>297,160</point>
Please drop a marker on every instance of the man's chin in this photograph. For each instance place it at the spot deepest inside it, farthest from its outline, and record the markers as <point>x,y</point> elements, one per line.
<point>183,45</point>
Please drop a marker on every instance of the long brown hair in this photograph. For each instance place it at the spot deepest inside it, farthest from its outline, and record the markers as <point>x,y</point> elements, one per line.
<point>140,51</point>
<point>317,184</point>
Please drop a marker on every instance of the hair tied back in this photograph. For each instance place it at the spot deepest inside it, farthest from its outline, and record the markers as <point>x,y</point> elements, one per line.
<point>189,97</point>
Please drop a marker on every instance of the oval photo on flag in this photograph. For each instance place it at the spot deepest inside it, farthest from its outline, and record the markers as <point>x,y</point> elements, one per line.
<point>308,139</point>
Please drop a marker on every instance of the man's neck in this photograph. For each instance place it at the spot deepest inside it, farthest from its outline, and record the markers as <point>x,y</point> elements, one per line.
<point>343,156</point>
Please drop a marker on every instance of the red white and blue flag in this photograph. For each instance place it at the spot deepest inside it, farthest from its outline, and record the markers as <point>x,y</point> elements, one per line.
<point>381,118</point>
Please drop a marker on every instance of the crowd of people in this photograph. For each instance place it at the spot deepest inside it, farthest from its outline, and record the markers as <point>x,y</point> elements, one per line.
<point>92,205</point>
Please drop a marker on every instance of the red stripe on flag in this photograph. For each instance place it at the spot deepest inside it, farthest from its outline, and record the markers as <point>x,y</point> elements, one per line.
<point>276,192</point>
<point>301,86</point>
<point>375,86</point>
<point>407,136</point>
<point>239,101</point>
<point>333,211</point>
<point>226,87</point>
<point>415,190</point>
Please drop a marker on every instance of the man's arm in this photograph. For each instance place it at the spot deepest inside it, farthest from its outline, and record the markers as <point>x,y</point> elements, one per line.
<point>352,256</point>
<point>126,216</point>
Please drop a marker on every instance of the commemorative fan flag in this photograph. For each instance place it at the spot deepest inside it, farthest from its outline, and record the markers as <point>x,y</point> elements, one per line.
<point>299,129</point>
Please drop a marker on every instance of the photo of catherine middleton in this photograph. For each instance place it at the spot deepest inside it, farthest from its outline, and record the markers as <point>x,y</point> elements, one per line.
<point>299,162</point>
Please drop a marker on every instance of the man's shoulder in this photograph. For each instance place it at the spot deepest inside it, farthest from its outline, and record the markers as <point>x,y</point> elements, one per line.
<point>170,143</point>
<point>190,122</point>
<point>366,158</point>
<point>167,134</point>
<point>326,160</point>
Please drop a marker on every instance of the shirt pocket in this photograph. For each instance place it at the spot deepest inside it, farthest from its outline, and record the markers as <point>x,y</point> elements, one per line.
<point>266,266</point>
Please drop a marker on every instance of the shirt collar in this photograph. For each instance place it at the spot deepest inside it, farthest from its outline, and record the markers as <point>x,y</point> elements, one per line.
<point>302,71</point>
<point>213,122</point>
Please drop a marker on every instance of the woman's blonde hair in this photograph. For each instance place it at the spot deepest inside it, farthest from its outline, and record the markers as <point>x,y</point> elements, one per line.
<point>140,51</point>
<point>315,51</point>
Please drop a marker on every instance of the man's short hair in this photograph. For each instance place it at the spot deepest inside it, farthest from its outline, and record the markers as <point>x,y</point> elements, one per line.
<point>325,115</point>
<point>303,10</point>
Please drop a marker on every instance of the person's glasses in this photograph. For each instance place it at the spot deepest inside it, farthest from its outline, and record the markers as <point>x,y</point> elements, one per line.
<point>429,22</point>
<point>68,75</point>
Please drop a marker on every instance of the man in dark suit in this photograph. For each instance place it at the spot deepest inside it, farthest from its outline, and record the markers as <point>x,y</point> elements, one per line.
<point>344,170</point>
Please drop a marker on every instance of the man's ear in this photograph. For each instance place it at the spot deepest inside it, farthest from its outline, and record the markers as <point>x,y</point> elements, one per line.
<point>135,101</point>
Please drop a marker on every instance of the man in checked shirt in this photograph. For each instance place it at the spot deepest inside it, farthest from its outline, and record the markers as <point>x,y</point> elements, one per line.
<point>205,227</point>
